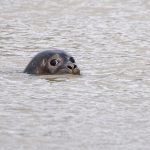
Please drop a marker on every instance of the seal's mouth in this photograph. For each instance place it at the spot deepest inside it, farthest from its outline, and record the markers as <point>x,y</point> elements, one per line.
<point>68,70</point>
<point>75,71</point>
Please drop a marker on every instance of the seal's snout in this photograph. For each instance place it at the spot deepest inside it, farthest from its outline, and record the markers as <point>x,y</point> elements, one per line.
<point>73,69</point>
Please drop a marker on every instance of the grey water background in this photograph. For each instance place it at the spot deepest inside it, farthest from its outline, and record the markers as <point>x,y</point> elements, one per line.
<point>107,107</point>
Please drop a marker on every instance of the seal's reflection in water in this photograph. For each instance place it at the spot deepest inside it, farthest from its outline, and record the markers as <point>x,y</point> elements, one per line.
<point>58,78</point>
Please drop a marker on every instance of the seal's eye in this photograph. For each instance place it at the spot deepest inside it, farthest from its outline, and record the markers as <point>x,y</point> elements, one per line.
<point>72,59</point>
<point>54,62</point>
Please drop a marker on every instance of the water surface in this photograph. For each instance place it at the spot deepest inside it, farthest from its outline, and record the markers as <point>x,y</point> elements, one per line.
<point>105,108</point>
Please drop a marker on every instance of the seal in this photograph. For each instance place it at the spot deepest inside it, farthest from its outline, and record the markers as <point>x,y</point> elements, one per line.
<point>51,62</point>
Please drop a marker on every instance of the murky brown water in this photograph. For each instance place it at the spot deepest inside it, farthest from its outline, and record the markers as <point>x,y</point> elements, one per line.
<point>106,108</point>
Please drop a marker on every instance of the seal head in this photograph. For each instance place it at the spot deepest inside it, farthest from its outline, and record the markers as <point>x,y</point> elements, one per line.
<point>52,62</point>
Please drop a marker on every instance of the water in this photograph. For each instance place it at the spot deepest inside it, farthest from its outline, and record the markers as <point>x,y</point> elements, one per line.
<point>107,107</point>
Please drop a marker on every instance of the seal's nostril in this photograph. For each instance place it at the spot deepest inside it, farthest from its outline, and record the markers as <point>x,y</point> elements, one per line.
<point>69,67</point>
<point>75,66</point>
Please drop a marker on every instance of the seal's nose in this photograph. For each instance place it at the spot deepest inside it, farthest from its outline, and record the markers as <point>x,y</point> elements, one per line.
<point>73,69</point>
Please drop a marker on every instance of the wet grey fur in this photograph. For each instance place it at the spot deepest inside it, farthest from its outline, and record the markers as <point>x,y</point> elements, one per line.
<point>39,63</point>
